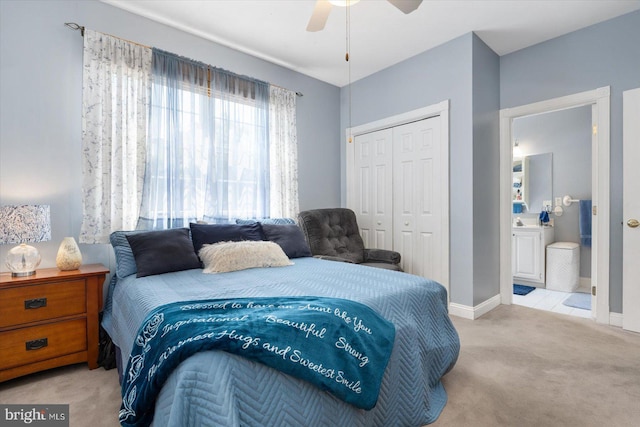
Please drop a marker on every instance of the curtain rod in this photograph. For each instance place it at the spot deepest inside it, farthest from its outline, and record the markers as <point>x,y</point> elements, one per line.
<point>77,27</point>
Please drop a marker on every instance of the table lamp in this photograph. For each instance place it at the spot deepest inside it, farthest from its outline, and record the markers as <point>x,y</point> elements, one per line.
<point>24,224</point>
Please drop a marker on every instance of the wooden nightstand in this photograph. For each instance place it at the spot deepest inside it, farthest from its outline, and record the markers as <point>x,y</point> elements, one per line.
<point>49,319</point>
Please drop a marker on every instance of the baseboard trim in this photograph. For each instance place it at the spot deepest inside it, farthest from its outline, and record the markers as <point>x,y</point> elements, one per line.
<point>615,319</point>
<point>584,284</point>
<point>472,313</point>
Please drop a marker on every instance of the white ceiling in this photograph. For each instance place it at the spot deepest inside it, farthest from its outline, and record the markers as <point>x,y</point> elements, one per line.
<point>380,36</point>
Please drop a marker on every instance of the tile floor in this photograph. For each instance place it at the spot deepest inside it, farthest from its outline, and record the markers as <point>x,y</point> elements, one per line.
<point>548,300</point>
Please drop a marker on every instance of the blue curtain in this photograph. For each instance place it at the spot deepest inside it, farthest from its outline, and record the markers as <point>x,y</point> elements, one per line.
<point>207,146</point>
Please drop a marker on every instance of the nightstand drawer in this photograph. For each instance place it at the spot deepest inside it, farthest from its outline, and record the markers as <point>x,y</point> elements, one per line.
<point>41,302</point>
<point>27,345</point>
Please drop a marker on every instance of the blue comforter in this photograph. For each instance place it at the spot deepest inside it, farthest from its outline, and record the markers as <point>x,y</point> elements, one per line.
<point>338,345</point>
<point>216,388</point>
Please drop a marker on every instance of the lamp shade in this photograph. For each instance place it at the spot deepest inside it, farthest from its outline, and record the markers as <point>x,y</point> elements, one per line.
<point>24,224</point>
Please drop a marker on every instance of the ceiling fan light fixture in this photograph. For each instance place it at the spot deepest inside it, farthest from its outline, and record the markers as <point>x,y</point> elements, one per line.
<point>343,3</point>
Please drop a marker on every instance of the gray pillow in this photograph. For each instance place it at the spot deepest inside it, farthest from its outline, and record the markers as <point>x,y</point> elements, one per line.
<point>289,237</point>
<point>163,251</point>
<point>125,262</point>
<point>267,221</point>
<point>207,234</point>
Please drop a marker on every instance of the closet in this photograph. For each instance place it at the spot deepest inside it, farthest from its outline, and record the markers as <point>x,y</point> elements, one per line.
<point>396,186</point>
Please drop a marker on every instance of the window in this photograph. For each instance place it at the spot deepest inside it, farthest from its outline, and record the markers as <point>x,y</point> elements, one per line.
<point>208,146</point>
<point>167,140</point>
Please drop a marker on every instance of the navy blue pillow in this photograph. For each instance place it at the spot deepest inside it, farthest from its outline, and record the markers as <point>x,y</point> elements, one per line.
<point>163,251</point>
<point>267,221</point>
<point>207,234</point>
<point>289,237</point>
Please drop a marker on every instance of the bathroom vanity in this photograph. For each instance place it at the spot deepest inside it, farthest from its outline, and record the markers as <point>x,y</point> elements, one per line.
<point>528,257</point>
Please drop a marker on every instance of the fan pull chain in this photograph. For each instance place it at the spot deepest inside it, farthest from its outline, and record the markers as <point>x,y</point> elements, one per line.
<point>346,58</point>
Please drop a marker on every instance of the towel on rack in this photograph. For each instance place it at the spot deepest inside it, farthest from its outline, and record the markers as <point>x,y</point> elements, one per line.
<point>544,218</point>
<point>585,222</point>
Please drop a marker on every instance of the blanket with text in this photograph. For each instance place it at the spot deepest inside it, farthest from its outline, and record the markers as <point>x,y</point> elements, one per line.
<point>339,345</point>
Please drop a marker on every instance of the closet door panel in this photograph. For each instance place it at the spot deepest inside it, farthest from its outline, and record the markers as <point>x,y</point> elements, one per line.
<point>373,187</point>
<point>416,189</point>
<point>404,243</point>
<point>425,254</point>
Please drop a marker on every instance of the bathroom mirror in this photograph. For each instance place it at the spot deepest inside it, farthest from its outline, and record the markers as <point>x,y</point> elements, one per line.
<point>532,181</point>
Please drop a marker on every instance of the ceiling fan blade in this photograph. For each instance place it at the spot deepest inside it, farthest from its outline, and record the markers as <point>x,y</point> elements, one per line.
<point>319,16</point>
<point>406,6</point>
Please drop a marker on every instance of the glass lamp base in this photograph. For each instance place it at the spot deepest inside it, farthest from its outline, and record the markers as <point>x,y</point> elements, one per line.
<point>23,260</point>
<point>23,274</point>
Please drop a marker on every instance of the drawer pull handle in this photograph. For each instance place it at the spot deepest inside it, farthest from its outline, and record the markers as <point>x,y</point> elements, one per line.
<point>31,304</point>
<point>36,344</point>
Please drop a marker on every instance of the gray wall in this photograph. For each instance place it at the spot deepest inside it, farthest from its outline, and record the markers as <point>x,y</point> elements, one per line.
<point>439,74</point>
<point>486,172</point>
<point>567,135</point>
<point>448,72</point>
<point>40,109</point>
<point>605,54</point>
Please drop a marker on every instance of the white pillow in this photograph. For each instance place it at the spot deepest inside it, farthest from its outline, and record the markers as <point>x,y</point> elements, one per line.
<point>232,256</point>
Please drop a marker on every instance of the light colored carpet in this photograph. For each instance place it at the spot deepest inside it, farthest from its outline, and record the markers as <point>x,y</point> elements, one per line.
<point>517,367</point>
<point>93,395</point>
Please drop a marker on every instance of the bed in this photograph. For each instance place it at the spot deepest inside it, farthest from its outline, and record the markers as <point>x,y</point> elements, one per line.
<point>213,387</point>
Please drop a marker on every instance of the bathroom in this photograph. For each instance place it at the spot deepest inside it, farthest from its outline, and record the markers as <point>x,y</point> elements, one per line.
<point>552,160</point>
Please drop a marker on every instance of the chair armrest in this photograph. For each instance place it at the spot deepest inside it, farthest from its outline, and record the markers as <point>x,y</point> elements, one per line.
<point>381,255</point>
<point>332,258</point>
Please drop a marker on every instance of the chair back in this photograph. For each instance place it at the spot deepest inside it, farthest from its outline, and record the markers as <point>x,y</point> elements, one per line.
<point>333,232</point>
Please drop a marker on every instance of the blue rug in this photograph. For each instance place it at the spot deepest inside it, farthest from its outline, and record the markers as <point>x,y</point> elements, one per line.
<point>579,300</point>
<point>522,289</point>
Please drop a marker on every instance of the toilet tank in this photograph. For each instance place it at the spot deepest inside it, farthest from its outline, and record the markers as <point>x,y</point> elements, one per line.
<point>563,266</point>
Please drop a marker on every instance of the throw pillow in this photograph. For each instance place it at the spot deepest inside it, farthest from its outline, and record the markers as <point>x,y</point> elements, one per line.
<point>290,239</point>
<point>163,251</point>
<point>233,256</point>
<point>267,221</point>
<point>125,262</point>
<point>203,234</point>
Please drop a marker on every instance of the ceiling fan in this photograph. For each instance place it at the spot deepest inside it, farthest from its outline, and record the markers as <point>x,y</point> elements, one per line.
<point>323,7</point>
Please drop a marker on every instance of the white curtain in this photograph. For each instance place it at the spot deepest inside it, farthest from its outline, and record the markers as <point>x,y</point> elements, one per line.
<point>116,86</point>
<point>207,152</point>
<point>283,153</point>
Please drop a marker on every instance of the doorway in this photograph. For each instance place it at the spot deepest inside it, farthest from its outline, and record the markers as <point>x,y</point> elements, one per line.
<point>552,157</point>
<point>598,99</point>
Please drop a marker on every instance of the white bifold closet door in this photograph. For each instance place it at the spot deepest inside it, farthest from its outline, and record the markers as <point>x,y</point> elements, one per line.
<point>416,192</point>
<point>398,184</point>
<point>374,188</point>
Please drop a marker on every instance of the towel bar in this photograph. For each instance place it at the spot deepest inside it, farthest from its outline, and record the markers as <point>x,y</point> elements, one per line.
<point>567,200</point>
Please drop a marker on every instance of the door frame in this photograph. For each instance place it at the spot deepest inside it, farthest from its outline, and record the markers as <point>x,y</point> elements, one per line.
<point>440,109</point>
<point>599,99</point>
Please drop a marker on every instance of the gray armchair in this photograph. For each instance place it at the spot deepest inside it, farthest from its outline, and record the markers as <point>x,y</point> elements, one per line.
<point>334,234</point>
